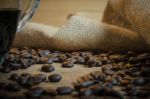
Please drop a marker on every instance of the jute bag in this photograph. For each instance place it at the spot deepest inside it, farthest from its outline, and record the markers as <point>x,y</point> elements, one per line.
<point>125,26</point>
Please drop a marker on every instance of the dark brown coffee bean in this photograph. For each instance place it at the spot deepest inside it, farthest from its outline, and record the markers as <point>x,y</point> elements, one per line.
<point>44,53</point>
<point>131,89</point>
<point>26,55</point>
<point>24,78</point>
<point>85,84</point>
<point>94,62</point>
<point>25,62</point>
<point>134,71</point>
<point>80,60</point>
<point>143,57</point>
<point>85,92</point>
<point>124,82</point>
<point>133,60</point>
<point>139,81</point>
<point>67,64</point>
<point>54,78</point>
<point>47,68</point>
<point>14,77</point>
<point>35,92</point>
<point>109,72</point>
<point>36,79</point>
<point>72,60</point>
<point>13,86</point>
<point>64,90</point>
<point>50,92</point>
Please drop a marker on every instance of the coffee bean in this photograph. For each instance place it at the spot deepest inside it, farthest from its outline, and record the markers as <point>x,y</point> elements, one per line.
<point>139,81</point>
<point>64,90</point>
<point>124,82</point>
<point>35,92</point>
<point>50,92</point>
<point>36,79</point>
<point>134,71</point>
<point>85,84</point>
<point>44,53</point>
<point>94,62</point>
<point>13,86</point>
<point>14,77</point>
<point>54,78</point>
<point>47,68</point>
<point>67,64</point>
<point>133,60</point>
<point>80,60</point>
<point>24,78</point>
<point>85,92</point>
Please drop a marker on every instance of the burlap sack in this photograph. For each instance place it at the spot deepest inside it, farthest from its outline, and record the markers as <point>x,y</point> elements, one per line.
<point>125,26</point>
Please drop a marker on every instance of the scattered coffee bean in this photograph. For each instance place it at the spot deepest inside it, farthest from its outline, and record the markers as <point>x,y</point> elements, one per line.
<point>50,92</point>
<point>23,79</point>
<point>35,92</point>
<point>67,64</point>
<point>47,68</point>
<point>54,78</point>
<point>139,81</point>
<point>14,77</point>
<point>64,90</point>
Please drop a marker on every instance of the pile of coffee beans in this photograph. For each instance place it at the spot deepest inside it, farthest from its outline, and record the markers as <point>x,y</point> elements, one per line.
<point>119,75</point>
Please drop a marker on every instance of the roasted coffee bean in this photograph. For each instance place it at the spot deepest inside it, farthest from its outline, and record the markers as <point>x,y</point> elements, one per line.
<point>3,85</point>
<point>133,60</point>
<point>26,55</point>
<point>13,86</point>
<point>143,57</point>
<point>47,68</point>
<point>134,71</point>
<point>50,92</point>
<point>36,79</point>
<point>67,64</point>
<point>85,84</point>
<point>80,60</point>
<point>131,89</point>
<point>94,62</point>
<point>124,82</point>
<point>139,81</point>
<point>44,53</point>
<point>109,72</point>
<point>54,78</point>
<point>24,78</point>
<point>85,92</point>
<point>64,90</point>
<point>14,77</point>
<point>35,92</point>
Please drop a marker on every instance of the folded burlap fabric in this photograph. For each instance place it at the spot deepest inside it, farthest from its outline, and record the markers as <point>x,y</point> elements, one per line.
<point>125,26</point>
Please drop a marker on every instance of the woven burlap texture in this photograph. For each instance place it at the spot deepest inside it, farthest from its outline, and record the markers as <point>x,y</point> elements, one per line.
<point>125,26</point>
